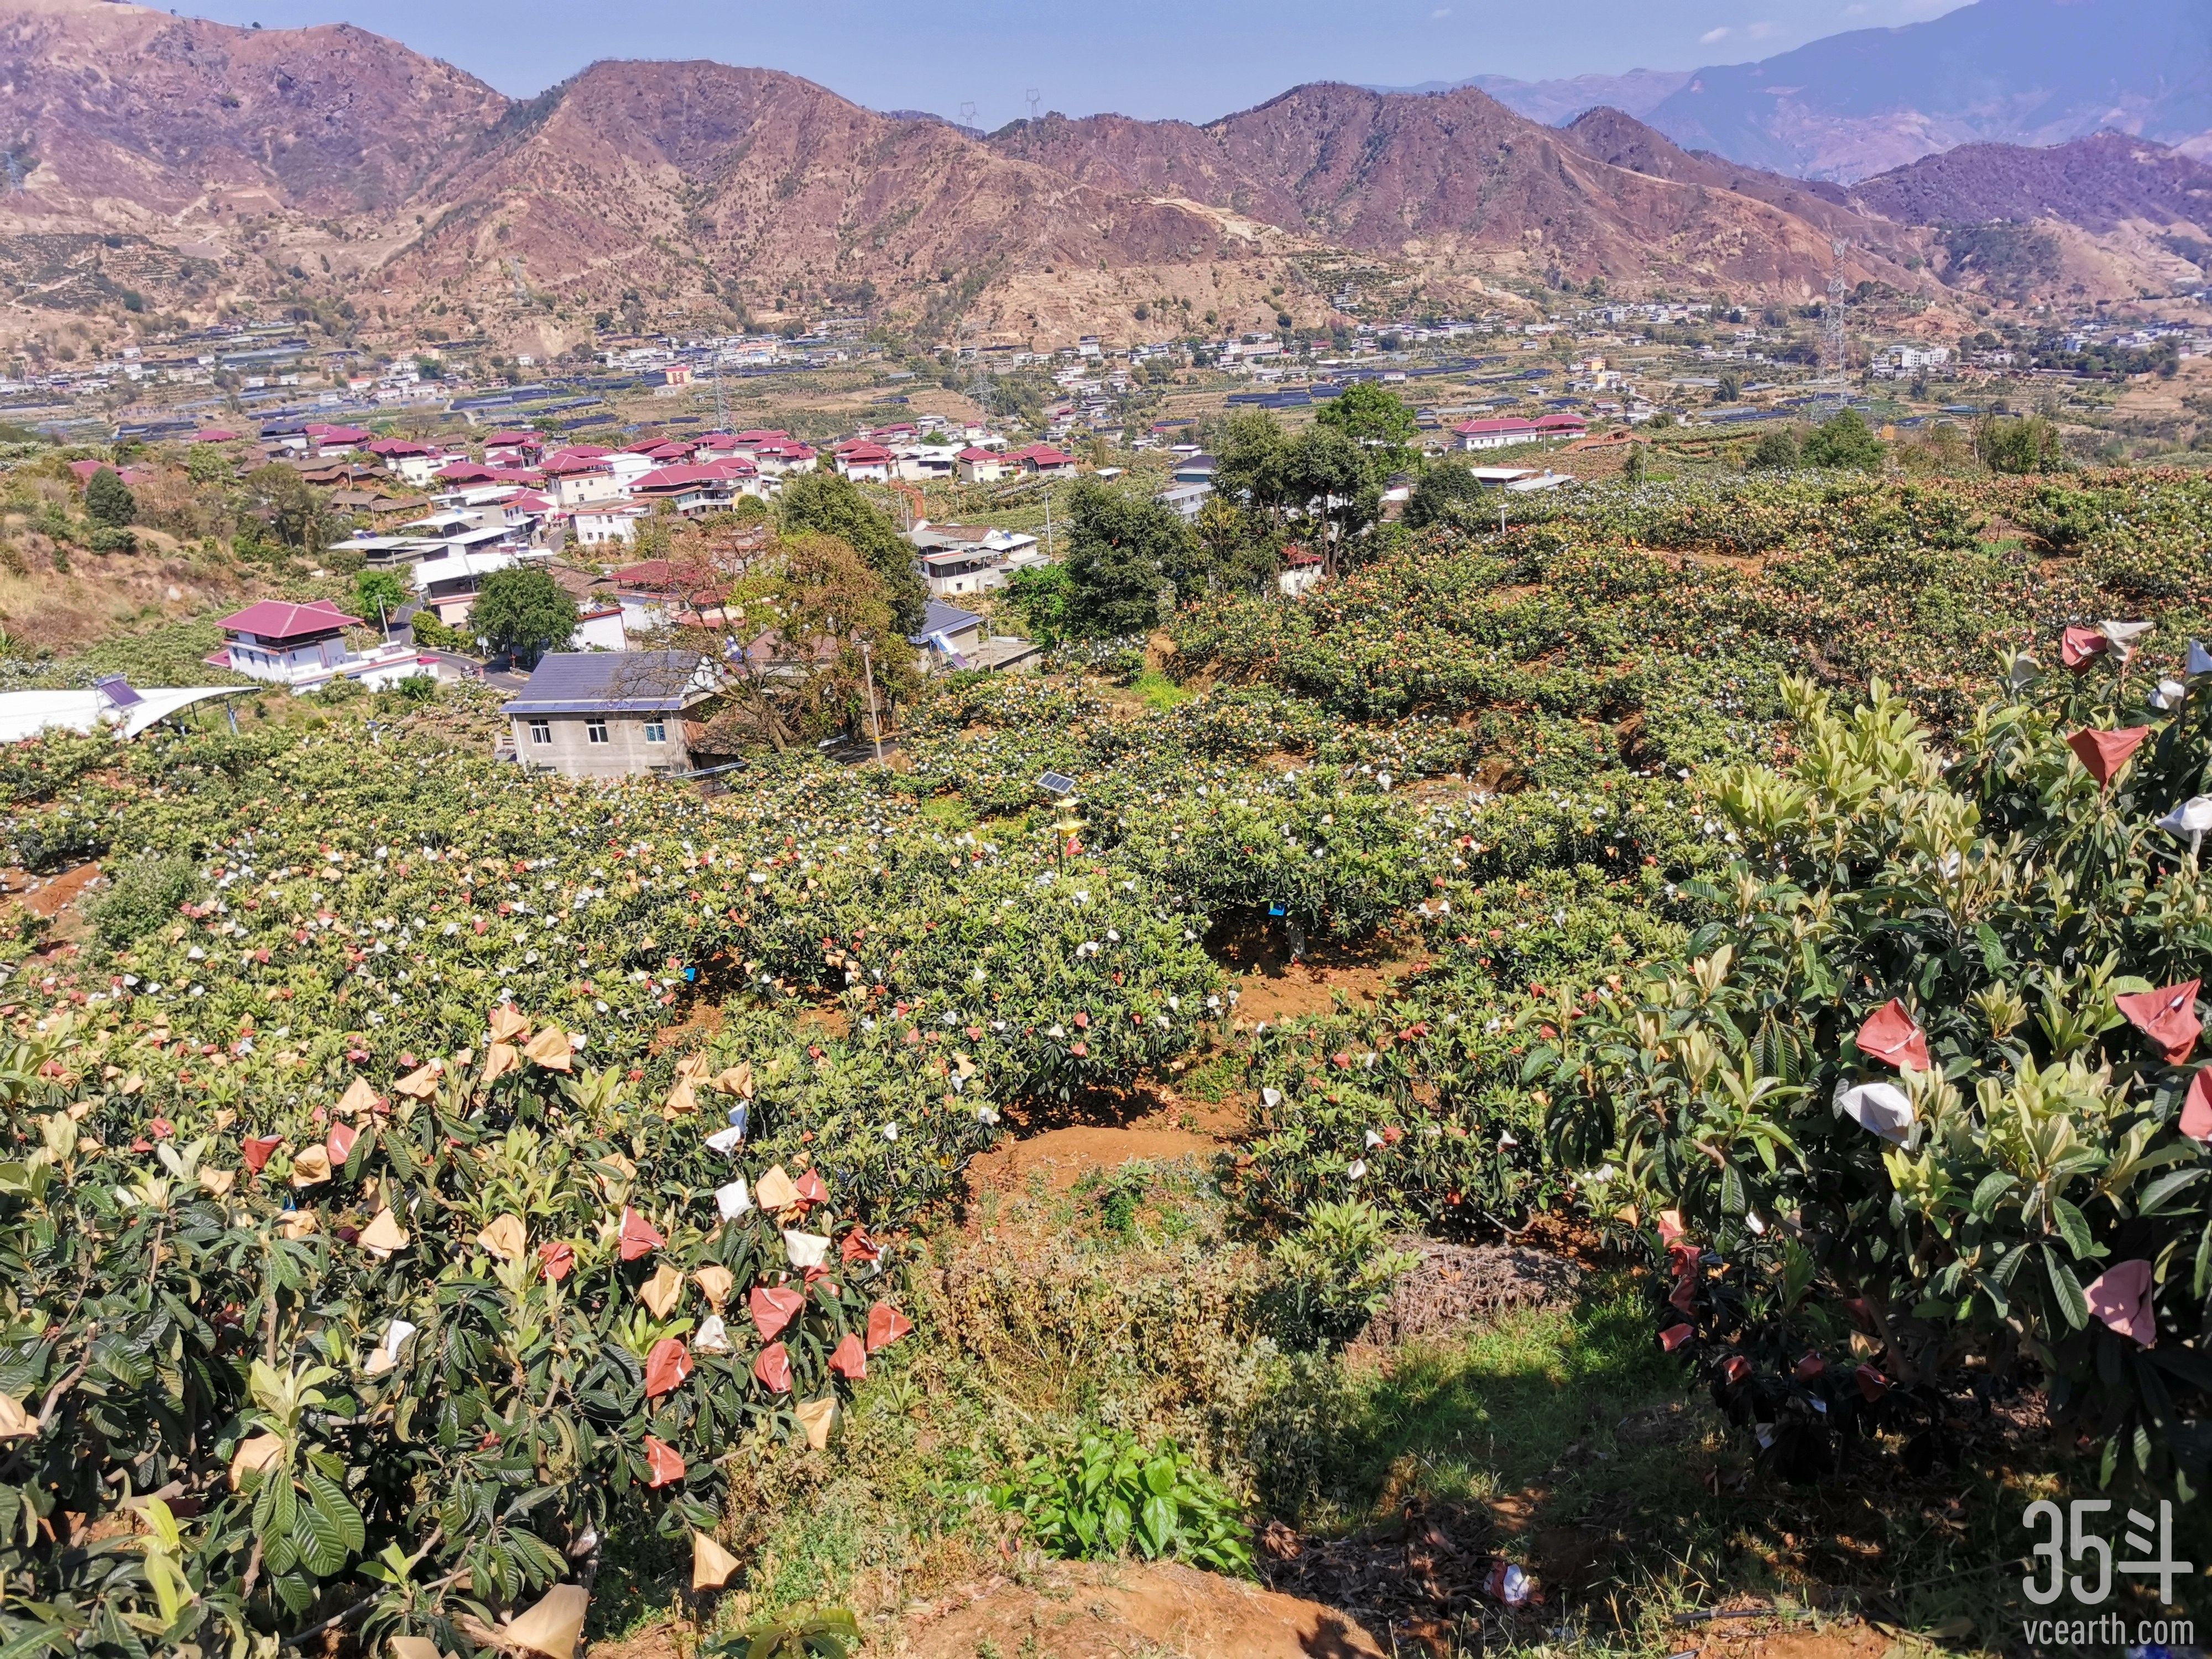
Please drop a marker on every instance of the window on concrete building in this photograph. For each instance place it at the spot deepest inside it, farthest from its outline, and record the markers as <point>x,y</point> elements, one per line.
<point>595,731</point>
<point>655,732</point>
<point>541,731</point>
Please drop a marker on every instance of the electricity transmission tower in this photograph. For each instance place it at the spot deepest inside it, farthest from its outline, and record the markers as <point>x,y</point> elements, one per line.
<point>1835,364</point>
<point>1033,95</point>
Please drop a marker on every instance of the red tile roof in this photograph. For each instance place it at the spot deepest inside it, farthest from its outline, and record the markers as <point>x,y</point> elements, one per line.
<point>678,478</point>
<point>277,619</point>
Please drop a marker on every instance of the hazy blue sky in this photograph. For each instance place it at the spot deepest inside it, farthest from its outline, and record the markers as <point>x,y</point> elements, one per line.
<point>1192,58</point>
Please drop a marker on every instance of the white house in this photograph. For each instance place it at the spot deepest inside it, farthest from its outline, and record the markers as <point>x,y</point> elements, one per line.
<point>606,522</point>
<point>303,646</point>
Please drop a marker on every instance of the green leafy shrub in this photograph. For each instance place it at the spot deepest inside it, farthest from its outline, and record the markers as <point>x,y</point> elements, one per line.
<point>1338,1269</point>
<point>794,1633</point>
<point>1108,1496</point>
<point>2013,907</point>
<point>449,1337</point>
<point>145,895</point>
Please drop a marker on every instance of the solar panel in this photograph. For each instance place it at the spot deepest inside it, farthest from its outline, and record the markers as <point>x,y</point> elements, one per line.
<point>117,691</point>
<point>1056,783</point>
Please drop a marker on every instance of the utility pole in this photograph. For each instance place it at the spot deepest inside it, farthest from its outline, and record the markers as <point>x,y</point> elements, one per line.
<point>1048,521</point>
<point>875,726</point>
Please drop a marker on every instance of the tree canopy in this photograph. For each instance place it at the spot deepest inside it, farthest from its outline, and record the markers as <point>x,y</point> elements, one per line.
<point>1438,492</point>
<point>1775,451</point>
<point>108,501</point>
<point>523,612</point>
<point>1844,440</point>
<point>1126,559</point>
<point>828,505</point>
<point>1374,418</point>
<point>378,591</point>
<point>1322,474</point>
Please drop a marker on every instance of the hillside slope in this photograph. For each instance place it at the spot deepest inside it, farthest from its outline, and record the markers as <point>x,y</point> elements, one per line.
<point>329,165</point>
<point>115,110</point>
<point>2098,183</point>
<point>1458,175</point>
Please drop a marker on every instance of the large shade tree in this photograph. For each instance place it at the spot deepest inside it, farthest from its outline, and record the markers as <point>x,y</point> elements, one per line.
<point>524,613</point>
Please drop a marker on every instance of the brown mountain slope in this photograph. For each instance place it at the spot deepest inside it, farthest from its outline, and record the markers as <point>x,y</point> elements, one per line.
<point>121,112</point>
<point>1457,175</point>
<point>2097,183</point>
<point>679,181</point>
<point>1155,158</point>
<point>328,164</point>
<point>1622,141</point>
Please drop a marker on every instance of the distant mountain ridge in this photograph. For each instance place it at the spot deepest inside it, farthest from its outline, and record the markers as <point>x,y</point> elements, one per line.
<point>1844,107</point>
<point>1557,103</point>
<point>2097,183</point>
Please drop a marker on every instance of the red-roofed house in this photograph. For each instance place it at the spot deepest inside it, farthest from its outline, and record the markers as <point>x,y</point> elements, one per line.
<point>1302,569</point>
<point>303,646</point>
<point>1562,425</point>
<point>414,462</point>
<point>693,491</point>
<point>84,470</point>
<point>1043,458</point>
<point>335,439</point>
<point>215,434</point>
<point>512,448</point>
<point>783,457</point>
<point>865,460</point>
<point>1501,434</point>
<point>976,466</point>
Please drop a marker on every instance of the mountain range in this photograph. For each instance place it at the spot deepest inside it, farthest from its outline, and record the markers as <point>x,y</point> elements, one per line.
<point>2036,72</point>
<point>193,164</point>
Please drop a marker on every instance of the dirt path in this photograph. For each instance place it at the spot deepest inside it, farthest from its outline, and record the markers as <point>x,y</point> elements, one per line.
<point>1148,1122</point>
<point>1082,1610</point>
<point>47,897</point>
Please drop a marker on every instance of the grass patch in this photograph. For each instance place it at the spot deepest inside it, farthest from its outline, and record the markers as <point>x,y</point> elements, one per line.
<point>1159,692</point>
<point>949,812</point>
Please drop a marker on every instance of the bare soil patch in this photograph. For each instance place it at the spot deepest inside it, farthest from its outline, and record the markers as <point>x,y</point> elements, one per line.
<point>48,896</point>
<point>1111,1610</point>
<point>1421,1576</point>
<point>1275,984</point>
<point>1104,1129</point>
